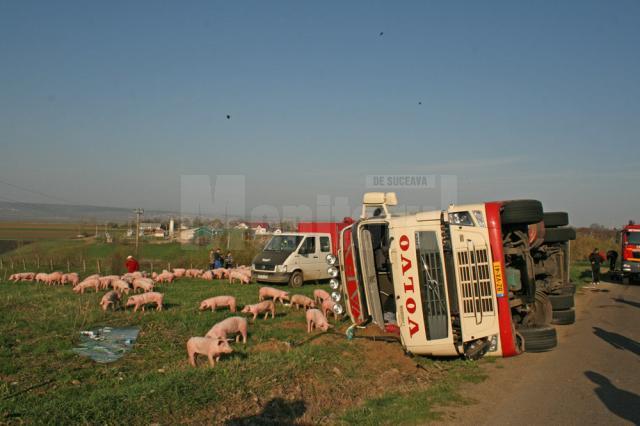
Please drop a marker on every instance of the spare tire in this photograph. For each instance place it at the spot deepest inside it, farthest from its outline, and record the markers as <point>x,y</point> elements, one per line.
<point>555,219</point>
<point>561,301</point>
<point>559,235</point>
<point>566,317</point>
<point>539,339</point>
<point>521,212</point>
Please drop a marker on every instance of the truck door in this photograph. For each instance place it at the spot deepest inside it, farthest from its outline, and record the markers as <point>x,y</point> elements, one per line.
<point>474,276</point>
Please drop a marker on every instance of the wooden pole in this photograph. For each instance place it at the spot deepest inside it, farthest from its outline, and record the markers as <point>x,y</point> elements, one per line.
<point>11,260</point>
<point>98,262</point>
<point>151,265</point>
<point>68,266</point>
<point>1,264</point>
<point>84,265</point>
<point>50,265</point>
<point>37,262</point>
<point>169,266</point>
<point>24,265</point>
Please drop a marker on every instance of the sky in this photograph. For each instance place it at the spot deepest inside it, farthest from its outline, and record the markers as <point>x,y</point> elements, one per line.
<point>122,103</point>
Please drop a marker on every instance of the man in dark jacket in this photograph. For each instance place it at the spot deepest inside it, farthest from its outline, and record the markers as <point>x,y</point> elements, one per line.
<point>612,255</point>
<point>595,260</point>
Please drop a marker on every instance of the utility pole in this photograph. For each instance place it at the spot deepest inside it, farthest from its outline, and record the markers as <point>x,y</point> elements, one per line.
<point>138,213</point>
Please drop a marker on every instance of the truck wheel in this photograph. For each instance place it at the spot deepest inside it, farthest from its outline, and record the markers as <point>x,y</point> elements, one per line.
<point>522,212</point>
<point>561,302</point>
<point>556,219</point>
<point>296,280</point>
<point>539,339</point>
<point>566,317</point>
<point>543,310</point>
<point>568,289</point>
<point>559,235</point>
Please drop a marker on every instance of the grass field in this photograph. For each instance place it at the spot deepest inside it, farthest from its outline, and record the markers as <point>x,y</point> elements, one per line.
<point>279,376</point>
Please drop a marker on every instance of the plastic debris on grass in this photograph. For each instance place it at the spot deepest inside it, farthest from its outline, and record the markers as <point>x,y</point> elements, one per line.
<point>106,344</point>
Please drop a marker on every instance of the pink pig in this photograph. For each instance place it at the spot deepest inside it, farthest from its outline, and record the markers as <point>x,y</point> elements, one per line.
<point>179,272</point>
<point>53,278</point>
<point>220,273</point>
<point>276,294</point>
<point>267,306</point>
<point>211,347</point>
<point>111,298</point>
<point>214,302</point>
<point>327,307</point>
<point>320,295</point>
<point>88,283</point>
<point>299,300</point>
<point>70,278</point>
<point>143,299</point>
<point>315,319</point>
<point>145,284</point>
<point>120,286</point>
<point>165,276</point>
<point>235,275</point>
<point>207,275</point>
<point>231,325</point>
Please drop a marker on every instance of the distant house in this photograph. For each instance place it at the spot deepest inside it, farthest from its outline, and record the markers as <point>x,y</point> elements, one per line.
<point>150,226</point>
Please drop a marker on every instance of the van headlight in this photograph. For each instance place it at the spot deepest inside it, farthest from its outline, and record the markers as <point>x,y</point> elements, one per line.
<point>331,259</point>
<point>280,268</point>
<point>332,271</point>
<point>336,297</point>
<point>334,284</point>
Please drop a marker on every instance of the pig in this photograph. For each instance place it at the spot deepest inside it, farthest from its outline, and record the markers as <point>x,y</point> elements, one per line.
<point>267,306</point>
<point>140,300</point>
<point>299,300</point>
<point>144,284</point>
<point>276,294</point>
<point>315,319</point>
<point>327,306</point>
<point>193,273</point>
<point>165,276</point>
<point>207,275</point>
<point>120,286</point>
<point>214,302</point>
<point>320,296</point>
<point>211,347</point>
<point>40,277</point>
<point>28,276</point>
<point>70,278</point>
<point>220,273</point>
<point>111,298</point>
<point>154,275</point>
<point>231,325</point>
<point>88,283</point>
<point>53,278</point>
<point>105,281</point>
<point>179,272</point>
<point>242,278</point>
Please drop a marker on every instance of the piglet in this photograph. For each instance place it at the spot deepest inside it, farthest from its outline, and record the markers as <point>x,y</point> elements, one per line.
<point>320,296</point>
<point>231,325</point>
<point>267,307</point>
<point>179,272</point>
<point>242,278</point>
<point>298,300</point>
<point>327,308</point>
<point>211,347</point>
<point>111,298</point>
<point>207,275</point>
<point>144,284</point>
<point>270,292</point>
<point>53,278</point>
<point>140,300</point>
<point>315,319</point>
<point>120,286</point>
<point>70,278</point>
<point>86,284</point>
<point>213,302</point>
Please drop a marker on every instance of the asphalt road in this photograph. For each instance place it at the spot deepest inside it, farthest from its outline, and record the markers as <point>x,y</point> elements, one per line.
<point>591,378</point>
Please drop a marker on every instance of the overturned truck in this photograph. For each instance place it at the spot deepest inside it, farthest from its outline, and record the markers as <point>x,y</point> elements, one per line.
<point>474,280</point>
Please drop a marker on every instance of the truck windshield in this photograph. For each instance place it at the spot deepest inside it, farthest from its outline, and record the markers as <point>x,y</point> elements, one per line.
<point>283,243</point>
<point>633,237</point>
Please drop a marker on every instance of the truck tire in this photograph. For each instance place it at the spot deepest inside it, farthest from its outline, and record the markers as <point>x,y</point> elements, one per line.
<point>559,235</point>
<point>556,219</point>
<point>539,339</point>
<point>560,302</point>
<point>542,313</point>
<point>565,317</point>
<point>521,212</point>
<point>296,280</point>
<point>568,289</point>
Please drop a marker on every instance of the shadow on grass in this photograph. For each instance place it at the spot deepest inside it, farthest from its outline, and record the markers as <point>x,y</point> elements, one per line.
<point>275,412</point>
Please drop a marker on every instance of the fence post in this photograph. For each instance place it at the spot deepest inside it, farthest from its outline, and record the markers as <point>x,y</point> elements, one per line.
<point>151,265</point>
<point>98,262</point>
<point>1,264</point>
<point>24,265</point>
<point>11,260</point>
<point>68,266</point>
<point>50,265</point>
<point>84,265</point>
<point>169,266</point>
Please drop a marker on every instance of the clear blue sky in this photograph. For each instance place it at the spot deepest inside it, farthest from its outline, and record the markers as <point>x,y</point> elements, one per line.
<point>109,103</point>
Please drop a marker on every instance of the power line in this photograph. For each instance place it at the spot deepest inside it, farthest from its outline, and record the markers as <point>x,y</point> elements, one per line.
<point>42,194</point>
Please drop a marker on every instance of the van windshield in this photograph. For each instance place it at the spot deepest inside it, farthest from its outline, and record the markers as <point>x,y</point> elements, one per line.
<point>283,243</point>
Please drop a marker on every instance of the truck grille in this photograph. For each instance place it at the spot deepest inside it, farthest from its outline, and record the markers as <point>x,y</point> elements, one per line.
<point>475,281</point>
<point>635,254</point>
<point>265,267</point>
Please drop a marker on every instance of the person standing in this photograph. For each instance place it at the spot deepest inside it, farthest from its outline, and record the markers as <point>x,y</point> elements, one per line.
<point>218,261</point>
<point>228,261</point>
<point>212,259</point>
<point>132,264</point>
<point>595,260</point>
<point>612,256</point>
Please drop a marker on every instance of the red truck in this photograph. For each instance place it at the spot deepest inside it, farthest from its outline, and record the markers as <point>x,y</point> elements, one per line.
<point>630,251</point>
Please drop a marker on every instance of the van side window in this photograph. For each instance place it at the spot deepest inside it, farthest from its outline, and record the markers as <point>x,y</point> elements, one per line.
<point>325,247</point>
<point>310,245</point>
